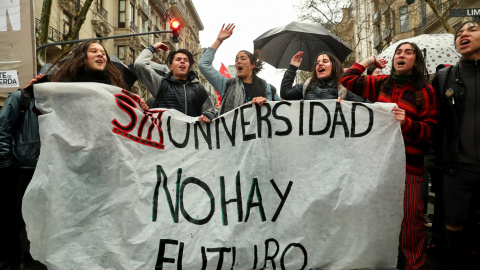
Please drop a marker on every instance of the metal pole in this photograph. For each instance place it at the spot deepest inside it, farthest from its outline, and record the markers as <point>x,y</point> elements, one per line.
<point>100,38</point>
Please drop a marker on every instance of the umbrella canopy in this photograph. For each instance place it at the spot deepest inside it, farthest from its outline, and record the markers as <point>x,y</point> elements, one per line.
<point>277,46</point>
<point>437,49</point>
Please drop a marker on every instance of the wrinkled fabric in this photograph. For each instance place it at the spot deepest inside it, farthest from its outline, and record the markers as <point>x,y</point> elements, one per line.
<point>116,187</point>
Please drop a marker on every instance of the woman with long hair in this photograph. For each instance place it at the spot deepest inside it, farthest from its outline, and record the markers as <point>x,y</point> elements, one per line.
<point>247,86</point>
<point>86,62</point>
<point>417,115</point>
<point>324,83</point>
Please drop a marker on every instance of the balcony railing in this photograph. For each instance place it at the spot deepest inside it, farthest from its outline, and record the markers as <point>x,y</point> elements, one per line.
<point>386,32</point>
<point>133,27</point>
<point>376,40</point>
<point>376,16</point>
<point>53,34</point>
<point>383,7</point>
<point>145,8</point>
<point>103,12</point>
<point>160,6</point>
<point>181,9</point>
<point>431,17</point>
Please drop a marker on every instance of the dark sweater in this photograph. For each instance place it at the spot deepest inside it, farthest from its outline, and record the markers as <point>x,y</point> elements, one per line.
<point>469,145</point>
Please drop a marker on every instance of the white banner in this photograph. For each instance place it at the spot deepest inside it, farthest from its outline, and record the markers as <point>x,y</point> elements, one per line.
<point>290,185</point>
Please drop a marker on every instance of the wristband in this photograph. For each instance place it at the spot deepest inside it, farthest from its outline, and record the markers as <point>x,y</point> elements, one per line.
<point>220,40</point>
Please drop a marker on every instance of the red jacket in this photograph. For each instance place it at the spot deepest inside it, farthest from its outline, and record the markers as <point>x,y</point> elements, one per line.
<point>420,110</point>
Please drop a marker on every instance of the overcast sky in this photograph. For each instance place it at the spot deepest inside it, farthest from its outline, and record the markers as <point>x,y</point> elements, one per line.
<point>251,18</point>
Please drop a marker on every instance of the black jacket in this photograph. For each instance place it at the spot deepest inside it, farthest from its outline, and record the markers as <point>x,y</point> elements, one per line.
<point>19,135</point>
<point>452,97</point>
<point>190,98</point>
<point>320,89</point>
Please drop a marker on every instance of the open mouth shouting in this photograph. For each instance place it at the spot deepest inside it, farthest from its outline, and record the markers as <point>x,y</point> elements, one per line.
<point>464,43</point>
<point>401,63</point>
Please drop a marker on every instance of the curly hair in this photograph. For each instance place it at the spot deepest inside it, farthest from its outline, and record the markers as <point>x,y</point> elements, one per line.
<point>70,62</point>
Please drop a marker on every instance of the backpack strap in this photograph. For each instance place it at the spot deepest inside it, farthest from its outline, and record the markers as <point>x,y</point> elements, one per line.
<point>305,86</point>
<point>24,101</point>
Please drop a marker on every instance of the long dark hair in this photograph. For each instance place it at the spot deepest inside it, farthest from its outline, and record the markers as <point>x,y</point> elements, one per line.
<point>70,62</point>
<point>254,60</point>
<point>419,70</point>
<point>337,68</point>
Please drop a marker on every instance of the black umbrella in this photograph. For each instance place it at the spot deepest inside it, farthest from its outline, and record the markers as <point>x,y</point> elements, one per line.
<point>277,46</point>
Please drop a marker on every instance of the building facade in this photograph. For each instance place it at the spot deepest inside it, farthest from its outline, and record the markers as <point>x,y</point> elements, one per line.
<point>379,23</point>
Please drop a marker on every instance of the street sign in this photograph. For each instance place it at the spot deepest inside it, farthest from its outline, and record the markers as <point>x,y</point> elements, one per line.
<point>470,12</point>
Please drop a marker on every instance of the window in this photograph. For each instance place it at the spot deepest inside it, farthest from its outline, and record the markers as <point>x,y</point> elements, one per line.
<point>404,23</point>
<point>145,26</point>
<point>66,23</point>
<point>440,7</point>
<point>423,13</point>
<point>121,53</point>
<point>393,23</point>
<point>132,13</point>
<point>121,14</point>
<point>131,56</point>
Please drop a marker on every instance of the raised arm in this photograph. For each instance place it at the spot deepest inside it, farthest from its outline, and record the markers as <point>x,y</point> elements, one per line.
<point>364,85</point>
<point>213,76</point>
<point>287,90</point>
<point>146,74</point>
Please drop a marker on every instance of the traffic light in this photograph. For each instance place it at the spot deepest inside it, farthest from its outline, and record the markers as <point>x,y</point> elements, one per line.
<point>175,26</point>
<point>409,2</point>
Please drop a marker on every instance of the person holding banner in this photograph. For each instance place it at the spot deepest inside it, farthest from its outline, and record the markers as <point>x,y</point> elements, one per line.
<point>323,84</point>
<point>417,115</point>
<point>180,88</point>
<point>247,86</point>
<point>86,62</point>
<point>20,139</point>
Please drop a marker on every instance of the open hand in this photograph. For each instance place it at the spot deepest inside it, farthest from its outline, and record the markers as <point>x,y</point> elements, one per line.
<point>297,59</point>
<point>226,32</point>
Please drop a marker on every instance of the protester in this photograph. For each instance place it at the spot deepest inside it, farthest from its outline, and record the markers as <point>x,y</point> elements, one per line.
<point>246,87</point>
<point>323,84</point>
<point>180,88</point>
<point>373,70</point>
<point>458,143</point>
<point>86,62</point>
<point>19,151</point>
<point>416,113</point>
<point>20,139</point>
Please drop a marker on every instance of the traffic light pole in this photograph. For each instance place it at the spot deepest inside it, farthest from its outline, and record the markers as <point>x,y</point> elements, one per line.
<point>100,38</point>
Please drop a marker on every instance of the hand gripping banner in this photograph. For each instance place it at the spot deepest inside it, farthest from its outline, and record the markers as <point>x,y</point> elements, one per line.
<point>289,185</point>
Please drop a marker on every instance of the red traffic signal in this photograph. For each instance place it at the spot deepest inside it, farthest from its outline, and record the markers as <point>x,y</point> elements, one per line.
<point>175,26</point>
